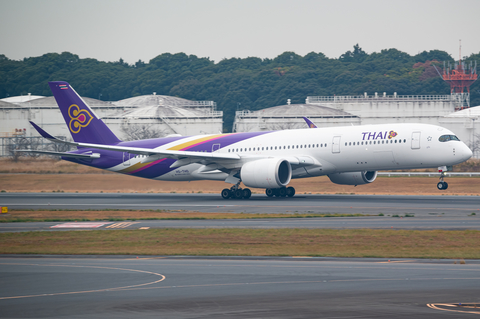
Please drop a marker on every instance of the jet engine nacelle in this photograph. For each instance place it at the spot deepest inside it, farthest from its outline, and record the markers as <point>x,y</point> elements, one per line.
<point>353,178</point>
<point>266,173</point>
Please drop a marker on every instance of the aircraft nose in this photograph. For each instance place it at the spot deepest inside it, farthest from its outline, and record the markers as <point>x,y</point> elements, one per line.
<point>465,153</point>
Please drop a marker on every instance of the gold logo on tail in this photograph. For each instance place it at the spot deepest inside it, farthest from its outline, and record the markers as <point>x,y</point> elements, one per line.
<point>78,118</point>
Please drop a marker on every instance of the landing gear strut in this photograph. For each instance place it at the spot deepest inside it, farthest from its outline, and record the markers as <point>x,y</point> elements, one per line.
<point>280,192</point>
<point>235,192</point>
<point>442,185</point>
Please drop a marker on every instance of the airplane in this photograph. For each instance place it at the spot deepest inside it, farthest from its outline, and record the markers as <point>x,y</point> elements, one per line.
<point>349,155</point>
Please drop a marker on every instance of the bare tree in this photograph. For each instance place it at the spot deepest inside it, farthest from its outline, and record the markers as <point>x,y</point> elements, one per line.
<point>286,126</point>
<point>141,131</point>
<point>475,145</point>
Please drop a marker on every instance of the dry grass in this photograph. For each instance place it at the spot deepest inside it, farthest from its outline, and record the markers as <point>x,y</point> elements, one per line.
<point>115,215</point>
<point>250,242</point>
<point>117,183</point>
<point>46,166</point>
<point>61,176</point>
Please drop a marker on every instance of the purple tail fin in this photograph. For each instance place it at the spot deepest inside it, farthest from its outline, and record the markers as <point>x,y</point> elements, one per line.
<point>82,122</point>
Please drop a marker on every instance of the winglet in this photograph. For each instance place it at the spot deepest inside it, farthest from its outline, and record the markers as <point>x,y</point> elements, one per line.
<point>309,123</point>
<point>42,132</point>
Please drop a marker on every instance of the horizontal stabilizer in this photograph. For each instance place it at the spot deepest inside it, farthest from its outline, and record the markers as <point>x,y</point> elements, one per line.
<point>63,154</point>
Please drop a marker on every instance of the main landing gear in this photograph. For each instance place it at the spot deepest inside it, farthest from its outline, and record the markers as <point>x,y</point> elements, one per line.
<point>442,185</point>
<point>280,192</point>
<point>235,192</point>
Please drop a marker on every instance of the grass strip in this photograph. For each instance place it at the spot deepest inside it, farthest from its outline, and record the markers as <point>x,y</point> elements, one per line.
<point>441,244</point>
<point>121,215</point>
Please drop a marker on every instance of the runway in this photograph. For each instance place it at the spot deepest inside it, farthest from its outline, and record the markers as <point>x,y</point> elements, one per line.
<point>243,287</point>
<point>182,287</point>
<point>368,204</point>
<point>430,212</point>
<point>384,222</point>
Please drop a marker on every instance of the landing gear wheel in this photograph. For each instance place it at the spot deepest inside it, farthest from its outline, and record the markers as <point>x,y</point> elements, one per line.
<point>238,194</point>
<point>270,192</point>
<point>442,185</point>
<point>282,192</point>
<point>247,193</point>
<point>290,191</point>
<point>226,194</point>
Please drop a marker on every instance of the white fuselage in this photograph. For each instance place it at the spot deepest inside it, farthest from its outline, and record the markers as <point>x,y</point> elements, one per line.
<point>345,149</point>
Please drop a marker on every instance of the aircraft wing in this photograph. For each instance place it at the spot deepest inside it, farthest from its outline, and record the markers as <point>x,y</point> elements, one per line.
<point>182,157</point>
<point>64,154</point>
<point>151,154</point>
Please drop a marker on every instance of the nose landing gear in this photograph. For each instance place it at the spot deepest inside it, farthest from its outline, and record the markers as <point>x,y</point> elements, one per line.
<point>442,185</point>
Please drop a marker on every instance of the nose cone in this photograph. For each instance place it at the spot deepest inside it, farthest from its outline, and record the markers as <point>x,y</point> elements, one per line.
<point>464,153</point>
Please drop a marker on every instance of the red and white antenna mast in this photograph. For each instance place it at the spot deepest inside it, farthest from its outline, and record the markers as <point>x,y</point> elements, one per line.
<point>460,76</point>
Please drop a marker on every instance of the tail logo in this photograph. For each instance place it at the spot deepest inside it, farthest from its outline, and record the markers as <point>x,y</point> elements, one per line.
<point>78,118</point>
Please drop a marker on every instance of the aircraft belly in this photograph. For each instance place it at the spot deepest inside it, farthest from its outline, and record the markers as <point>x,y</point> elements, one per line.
<point>384,159</point>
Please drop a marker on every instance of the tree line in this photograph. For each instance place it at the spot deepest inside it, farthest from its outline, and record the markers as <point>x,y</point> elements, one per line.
<point>235,84</point>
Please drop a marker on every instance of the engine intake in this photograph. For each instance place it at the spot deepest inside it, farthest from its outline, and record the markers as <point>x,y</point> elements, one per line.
<point>353,178</point>
<point>266,173</point>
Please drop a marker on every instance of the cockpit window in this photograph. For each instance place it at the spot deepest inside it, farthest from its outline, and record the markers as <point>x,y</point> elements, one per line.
<point>446,138</point>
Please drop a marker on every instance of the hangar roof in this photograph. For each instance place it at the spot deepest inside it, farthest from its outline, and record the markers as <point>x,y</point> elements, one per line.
<point>158,106</point>
<point>297,110</point>
<point>4,104</point>
<point>50,102</point>
<point>21,98</point>
<point>161,100</point>
<point>468,112</point>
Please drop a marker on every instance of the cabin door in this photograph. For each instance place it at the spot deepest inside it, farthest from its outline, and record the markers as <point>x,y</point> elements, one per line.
<point>336,144</point>
<point>415,140</point>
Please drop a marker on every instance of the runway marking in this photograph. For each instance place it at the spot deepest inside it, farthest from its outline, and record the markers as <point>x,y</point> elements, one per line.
<point>395,261</point>
<point>444,307</point>
<point>85,291</point>
<point>122,225</point>
<point>292,282</point>
<point>126,204</point>
<point>293,205</point>
<point>350,207</point>
<point>81,225</point>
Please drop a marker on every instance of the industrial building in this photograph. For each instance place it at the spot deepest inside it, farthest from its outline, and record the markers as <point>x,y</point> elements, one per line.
<point>145,116</point>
